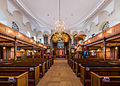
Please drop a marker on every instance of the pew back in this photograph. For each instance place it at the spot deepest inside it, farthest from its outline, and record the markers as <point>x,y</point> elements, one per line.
<point>105,78</point>
<point>18,78</point>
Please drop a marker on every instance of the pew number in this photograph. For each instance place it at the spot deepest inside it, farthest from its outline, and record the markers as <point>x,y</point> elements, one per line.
<point>31,69</point>
<point>79,64</point>
<point>11,79</point>
<point>106,79</point>
<point>87,69</point>
<point>40,64</point>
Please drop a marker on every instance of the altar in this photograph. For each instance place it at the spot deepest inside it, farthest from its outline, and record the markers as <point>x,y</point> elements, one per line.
<point>60,53</point>
<point>61,44</point>
<point>60,49</point>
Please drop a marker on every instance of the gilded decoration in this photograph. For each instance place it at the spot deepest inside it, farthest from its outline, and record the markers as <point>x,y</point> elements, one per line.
<point>60,36</point>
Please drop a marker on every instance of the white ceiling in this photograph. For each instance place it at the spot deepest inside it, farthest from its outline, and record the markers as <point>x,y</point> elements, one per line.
<point>72,11</point>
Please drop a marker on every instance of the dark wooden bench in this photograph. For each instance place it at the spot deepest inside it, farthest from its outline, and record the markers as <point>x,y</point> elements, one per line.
<point>85,70</point>
<point>13,78</point>
<point>84,66</point>
<point>32,69</point>
<point>45,64</point>
<point>25,64</point>
<point>105,78</point>
<point>78,62</point>
<point>41,62</point>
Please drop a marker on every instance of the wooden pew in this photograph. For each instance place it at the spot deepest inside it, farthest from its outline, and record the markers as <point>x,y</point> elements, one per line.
<point>51,62</point>
<point>26,64</point>
<point>13,78</point>
<point>78,62</point>
<point>87,63</point>
<point>70,62</point>
<point>105,78</point>
<point>85,71</point>
<point>32,69</point>
<point>43,65</point>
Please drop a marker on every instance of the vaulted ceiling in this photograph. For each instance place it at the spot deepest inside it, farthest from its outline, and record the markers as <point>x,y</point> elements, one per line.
<point>73,12</point>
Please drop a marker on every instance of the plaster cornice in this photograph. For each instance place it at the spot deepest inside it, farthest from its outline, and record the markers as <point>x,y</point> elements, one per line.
<point>100,4</point>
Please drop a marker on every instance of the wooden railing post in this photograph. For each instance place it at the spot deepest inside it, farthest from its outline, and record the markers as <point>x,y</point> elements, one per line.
<point>104,43</point>
<point>15,48</point>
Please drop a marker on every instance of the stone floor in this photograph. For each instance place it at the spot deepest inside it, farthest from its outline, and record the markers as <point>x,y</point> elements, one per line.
<point>60,74</point>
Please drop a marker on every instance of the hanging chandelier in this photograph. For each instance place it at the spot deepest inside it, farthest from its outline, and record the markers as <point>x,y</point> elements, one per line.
<point>59,25</point>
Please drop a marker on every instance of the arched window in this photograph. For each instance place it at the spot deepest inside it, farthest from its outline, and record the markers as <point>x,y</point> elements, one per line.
<point>41,40</point>
<point>45,39</point>
<point>33,37</point>
<point>75,42</point>
<point>15,26</point>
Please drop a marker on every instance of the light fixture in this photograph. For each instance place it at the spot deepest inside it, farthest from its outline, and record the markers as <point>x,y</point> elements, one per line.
<point>98,50</point>
<point>19,34</point>
<point>116,48</point>
<point>100,35</point>
<point>109,31</point>
<point>88,41</point>
<point>35,51</point>
<point>22,50</point>
<point>41,45</point>
<point>9,31</point>
<point>59,24</point>
<point>4,48</point>
<point>75,47</point>
<point>45,47</point>
<point>31,40</point>
<point>34,42</point>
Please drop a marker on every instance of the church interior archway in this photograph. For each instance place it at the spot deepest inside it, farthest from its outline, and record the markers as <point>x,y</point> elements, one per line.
<point>61,43</point>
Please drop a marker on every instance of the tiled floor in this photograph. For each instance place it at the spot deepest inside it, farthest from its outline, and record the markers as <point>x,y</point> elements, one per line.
<point>60,74</point>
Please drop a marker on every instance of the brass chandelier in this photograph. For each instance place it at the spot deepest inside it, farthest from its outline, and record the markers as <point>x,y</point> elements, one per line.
<point>59,25</point>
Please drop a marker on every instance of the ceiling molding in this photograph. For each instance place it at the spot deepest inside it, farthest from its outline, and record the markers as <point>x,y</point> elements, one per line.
<point>25,20</point>
<point>42,23</point>
<point>95,20</point>
<point>88,27</point>
<point>110,7</point>
<point>100,4</point>
<point>11,8</point>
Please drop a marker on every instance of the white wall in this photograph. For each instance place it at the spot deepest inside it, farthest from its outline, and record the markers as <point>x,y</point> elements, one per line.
<point>105,14</point>
<point>9,12</point>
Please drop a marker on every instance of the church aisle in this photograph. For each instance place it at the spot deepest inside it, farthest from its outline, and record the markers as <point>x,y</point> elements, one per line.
<point>60,74</point>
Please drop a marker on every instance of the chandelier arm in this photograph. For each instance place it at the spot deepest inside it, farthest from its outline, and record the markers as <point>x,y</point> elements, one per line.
<point>59,24</point>
<point>59,10</point>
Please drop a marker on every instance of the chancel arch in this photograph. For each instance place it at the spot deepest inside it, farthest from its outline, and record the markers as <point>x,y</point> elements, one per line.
<point>61,43</point>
